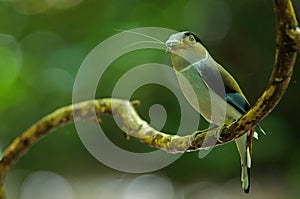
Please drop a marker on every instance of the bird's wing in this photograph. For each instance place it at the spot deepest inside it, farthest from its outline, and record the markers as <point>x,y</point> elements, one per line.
<point>221,82</point>
<point>210,72</point>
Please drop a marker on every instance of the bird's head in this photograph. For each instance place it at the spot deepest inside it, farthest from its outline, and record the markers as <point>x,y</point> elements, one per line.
<point>185,48</point>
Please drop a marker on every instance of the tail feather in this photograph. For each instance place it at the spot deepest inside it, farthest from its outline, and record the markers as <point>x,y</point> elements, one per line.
<point>246,179</point>
<point>244,149</point>
<point>245,176</point>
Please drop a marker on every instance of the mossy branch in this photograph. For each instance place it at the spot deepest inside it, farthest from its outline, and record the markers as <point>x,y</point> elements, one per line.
<point>288,43</point>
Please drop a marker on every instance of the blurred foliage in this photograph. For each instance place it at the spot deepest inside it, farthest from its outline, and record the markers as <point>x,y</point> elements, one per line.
<point>44,42</point>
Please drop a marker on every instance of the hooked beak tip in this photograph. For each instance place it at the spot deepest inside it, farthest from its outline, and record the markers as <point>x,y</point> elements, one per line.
<point>172,43</point>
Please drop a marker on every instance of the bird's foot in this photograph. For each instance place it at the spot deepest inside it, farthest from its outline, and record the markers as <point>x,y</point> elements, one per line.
<point>218,129</point>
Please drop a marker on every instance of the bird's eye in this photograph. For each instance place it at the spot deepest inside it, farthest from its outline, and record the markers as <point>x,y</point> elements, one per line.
<point>191,38</point>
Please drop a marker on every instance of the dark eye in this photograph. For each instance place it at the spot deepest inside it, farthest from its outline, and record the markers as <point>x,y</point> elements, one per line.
<point>191,38</point>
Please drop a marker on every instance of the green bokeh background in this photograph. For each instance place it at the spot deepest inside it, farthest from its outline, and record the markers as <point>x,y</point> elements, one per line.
<point>43,43</point>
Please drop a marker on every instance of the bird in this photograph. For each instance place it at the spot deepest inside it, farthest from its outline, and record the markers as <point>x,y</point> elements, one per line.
<point>218,95</point>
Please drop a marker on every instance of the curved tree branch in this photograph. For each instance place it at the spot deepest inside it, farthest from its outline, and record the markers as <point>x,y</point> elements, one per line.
<point>288,43</point>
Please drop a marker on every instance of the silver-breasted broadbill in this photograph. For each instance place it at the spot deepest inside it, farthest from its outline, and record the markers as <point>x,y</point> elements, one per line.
<point>218,95</point>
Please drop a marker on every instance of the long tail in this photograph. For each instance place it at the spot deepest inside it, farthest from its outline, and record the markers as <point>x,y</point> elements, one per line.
<point>244,145</point>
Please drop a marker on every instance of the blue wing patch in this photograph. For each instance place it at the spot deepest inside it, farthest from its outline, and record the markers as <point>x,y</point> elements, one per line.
<point>238,102</point>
